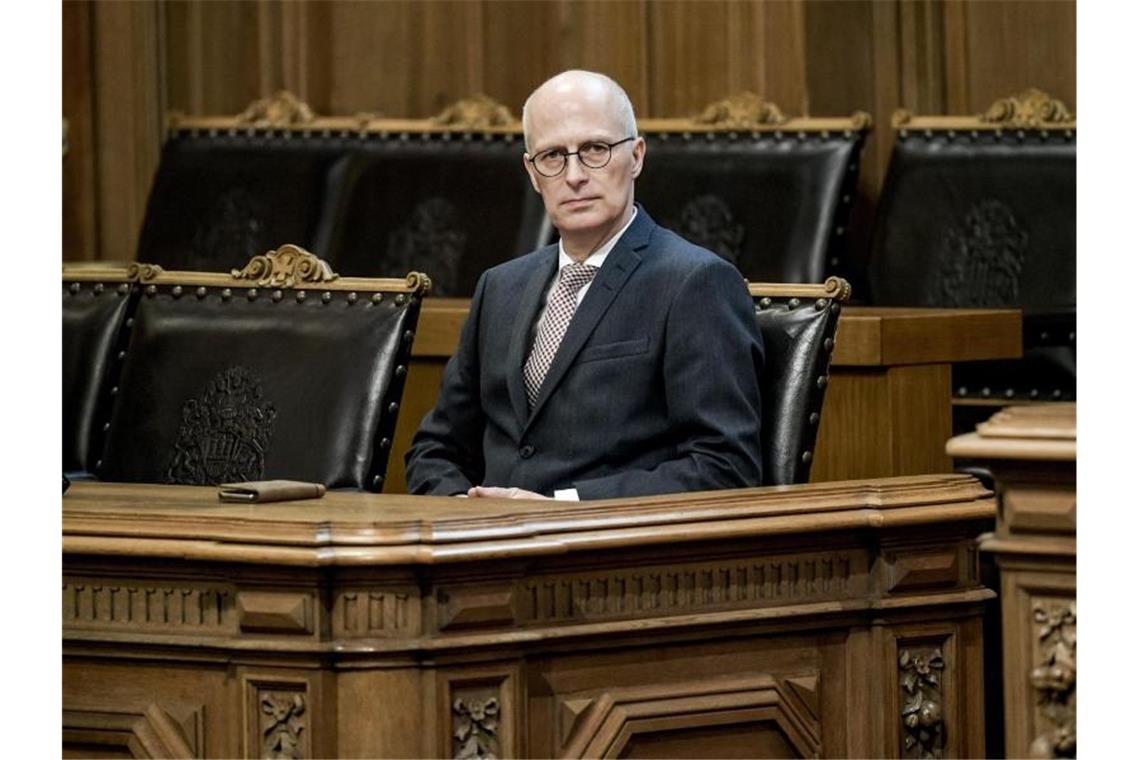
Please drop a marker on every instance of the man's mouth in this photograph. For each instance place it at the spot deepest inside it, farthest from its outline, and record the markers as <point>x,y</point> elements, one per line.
<point>579,201</point>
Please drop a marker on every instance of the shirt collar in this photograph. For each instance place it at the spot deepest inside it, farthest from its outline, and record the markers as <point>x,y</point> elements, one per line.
<point>598,257</point>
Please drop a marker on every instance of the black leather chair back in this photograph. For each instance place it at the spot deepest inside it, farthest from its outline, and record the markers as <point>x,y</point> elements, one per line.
<point>451,205</point>
<point>97,303</point>
<point>775,203</point>
<point>981,212</point>
<point>285,371</point>
<point>798,325</point>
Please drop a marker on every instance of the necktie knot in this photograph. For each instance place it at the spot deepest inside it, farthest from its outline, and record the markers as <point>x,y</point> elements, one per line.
<point>575,276</point>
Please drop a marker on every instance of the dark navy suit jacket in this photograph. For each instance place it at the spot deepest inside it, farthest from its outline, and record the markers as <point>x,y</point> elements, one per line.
<point>653,389</point>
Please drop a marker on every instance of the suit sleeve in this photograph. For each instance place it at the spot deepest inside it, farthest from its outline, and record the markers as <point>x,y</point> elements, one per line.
<point>712,363</point>
<point>446,455</point>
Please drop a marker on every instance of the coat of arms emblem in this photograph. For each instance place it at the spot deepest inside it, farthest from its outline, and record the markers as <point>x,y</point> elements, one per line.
<point>224,433</point>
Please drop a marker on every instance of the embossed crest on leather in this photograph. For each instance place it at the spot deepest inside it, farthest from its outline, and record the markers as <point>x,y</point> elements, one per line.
<point>430,241</point>
<point>982,258</point>
<point>224,433</point>
<point>708,221</point>
<point>230,232</point>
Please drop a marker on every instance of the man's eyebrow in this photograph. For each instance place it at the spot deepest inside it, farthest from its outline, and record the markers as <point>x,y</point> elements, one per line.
<point>562,147</point>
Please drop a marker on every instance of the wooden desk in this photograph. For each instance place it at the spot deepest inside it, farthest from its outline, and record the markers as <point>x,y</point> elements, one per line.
<point>888,406</point>
<point>1032,451</point>
<point>838,619</point>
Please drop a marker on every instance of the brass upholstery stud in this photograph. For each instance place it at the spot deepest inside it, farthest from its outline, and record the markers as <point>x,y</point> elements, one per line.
<point>106,426</point>
<point>115,391</point>
<point>928,135</point>
<point>1056,393</point>
<point>251,293</point>
<point>801,136</point>
<point>839,231</point>
<point>123,289</point>
<point>821,304</point>
<point>986,392</point>
<point>122,355</point>
<point>828,344</point>
<point>903,134</point>
<point>176,291</point>
<point>401,370</point>
<point>779,135</point>
<point>806,457</point>
<point>825,135</point>
<point>377,297</point>
<point>834,308</point>
<point>813,418</point>
<point>352,298</point>
<point>277,296</point>
<point>326,297</point>
<point>962,390</point>
<point>393,408</point>
<point>301,296</point>
<point>1034,393</point>
<point>409,336</point>
<point>821,381</point>
<point>131,322</point>
<point>227,294</point>
<point>98,288</point>
<point>793,303</point>
<point>765,302</point>
<point>401,299</point>
<point>200,292</point>
<point>1009,393</point>
<point>385,443</point>
<point>1072,337</point>
<point>151,290</point>
<point>99,464</point>
<point>1044,337</point>
<point>377,481</point>
<point>73,287</point>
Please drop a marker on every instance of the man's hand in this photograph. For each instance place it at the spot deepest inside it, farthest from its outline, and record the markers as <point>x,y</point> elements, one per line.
<point>495,492</point>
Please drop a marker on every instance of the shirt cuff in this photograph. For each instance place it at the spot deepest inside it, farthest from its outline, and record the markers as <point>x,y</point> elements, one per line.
<point>567,494</point>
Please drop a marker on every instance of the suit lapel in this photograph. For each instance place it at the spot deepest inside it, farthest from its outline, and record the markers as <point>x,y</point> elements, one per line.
<point>529,306</point>
<point>609,282</point>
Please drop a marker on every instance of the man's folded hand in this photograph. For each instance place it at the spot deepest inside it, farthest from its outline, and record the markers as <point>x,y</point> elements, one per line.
<point>495,492</point>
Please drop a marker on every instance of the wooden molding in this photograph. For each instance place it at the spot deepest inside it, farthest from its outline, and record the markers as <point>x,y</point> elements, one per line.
<point>835,288</point>
<point>614,718</point>
<point>285,267</point>
<point>742,110</point>
<point>1035,432</point>
<point>1031,109</point>
<point>149,731</point>
<point>280,109</point>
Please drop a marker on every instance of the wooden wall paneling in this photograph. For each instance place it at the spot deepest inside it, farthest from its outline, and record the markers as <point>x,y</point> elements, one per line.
<point>215,53</point>
<point>779,48</point>
<point>922,56</point>
<point>80,233</point>
<point>611,38</point>
<point>520,49</point>
<point>128,123</point>
<point>688,56</point>
<point>368,63</point>
<point>1015,44</point>
<point>446,56</point>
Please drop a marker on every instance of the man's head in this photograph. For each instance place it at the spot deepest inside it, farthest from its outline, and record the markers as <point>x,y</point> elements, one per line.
<point>569,112</point>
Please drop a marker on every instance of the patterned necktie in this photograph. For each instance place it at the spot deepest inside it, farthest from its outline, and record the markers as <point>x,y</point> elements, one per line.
<point>571,279</point>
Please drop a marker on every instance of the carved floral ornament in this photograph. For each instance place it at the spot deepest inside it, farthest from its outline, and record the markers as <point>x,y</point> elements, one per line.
<point>1030,108</point>
<point>745,109</point>
<point>282,724</point>
<point>285,267</point>
<point>920,683</point>
<point>476,112</point>
<point>281,109</point>
<point>1054,678</point>
<point>476,722</point>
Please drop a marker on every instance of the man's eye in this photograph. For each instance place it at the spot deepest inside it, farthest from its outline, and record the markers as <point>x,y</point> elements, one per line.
<point>594,150</point>
<point>550,156</point>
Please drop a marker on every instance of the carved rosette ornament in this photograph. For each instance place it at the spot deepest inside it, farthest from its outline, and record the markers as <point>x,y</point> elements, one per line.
<point>743,110</point>
<point>143,272</point>
<point>476,112</point>
<point>1031,108</point>
<point>1054,678</point>
<point>282,724</point>
<point>285,268</point>
<point>281,109</point>
<point>920,694</point>
<point>476,727</point>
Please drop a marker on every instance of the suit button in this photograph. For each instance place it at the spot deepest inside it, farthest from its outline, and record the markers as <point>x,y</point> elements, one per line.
<point>526,452</point>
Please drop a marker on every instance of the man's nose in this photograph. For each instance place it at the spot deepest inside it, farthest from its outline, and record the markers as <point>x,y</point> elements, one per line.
<point>576,173</point>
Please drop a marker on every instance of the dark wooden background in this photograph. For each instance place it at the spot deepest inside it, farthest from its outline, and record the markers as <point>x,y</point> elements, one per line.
<point>125,65</point>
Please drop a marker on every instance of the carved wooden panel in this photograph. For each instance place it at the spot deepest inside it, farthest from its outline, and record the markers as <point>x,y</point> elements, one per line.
<point>749,714</point>
<point>481,717</point>
<point>275,612</point>
<point>369,612</point>
<point>145,731</point>
<point>684,587</point>
<point>922,698</point>
<point>1053,677</point>
<point>130,605</point>
<point>277,717</point>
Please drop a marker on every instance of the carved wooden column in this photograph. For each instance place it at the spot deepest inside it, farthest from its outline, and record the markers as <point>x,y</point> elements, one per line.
<point>1032,451</point>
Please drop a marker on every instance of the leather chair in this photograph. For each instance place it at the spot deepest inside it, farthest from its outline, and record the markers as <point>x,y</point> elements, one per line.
<point>97,303</point>
<point>798,325</point>
<point>281,370</point>
<point>769,193</point>
<point>378,197</point>
<point>981,212</point>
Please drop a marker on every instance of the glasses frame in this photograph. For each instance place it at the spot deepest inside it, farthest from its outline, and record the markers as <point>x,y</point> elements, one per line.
<point>566,156</point>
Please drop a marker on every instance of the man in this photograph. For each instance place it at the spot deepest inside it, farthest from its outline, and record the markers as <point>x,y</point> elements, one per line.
<point>620,362</point>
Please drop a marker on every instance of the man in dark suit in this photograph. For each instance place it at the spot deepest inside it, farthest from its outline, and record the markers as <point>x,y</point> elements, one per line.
<point>621,361</point>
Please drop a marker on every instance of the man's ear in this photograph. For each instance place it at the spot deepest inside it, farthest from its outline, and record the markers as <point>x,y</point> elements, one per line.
<point>639,148</point>
<point>531,173</point>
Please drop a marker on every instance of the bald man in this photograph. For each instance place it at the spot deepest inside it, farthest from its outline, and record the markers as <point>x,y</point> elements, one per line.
<point>621,361</point>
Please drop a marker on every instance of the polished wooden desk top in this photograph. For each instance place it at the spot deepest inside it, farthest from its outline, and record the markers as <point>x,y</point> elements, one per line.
<point>1032,432</point>
<point>380,529</point>
<point>868,336</point>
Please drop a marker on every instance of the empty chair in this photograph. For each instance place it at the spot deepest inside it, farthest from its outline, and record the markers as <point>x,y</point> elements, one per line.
<point>798,325</point>
<point>97,301</point>
<point>280,370</point>
<point>981,212</point>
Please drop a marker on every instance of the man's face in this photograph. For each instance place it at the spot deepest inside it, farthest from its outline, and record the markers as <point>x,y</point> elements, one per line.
<point>586,205</point>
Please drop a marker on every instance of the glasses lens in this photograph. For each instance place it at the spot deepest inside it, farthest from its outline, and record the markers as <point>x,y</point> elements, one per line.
<point>594,155</point>
<point>550,162</point>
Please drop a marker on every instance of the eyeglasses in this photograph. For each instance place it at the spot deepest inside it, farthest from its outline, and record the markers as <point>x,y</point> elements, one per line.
<point>593,155</point>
